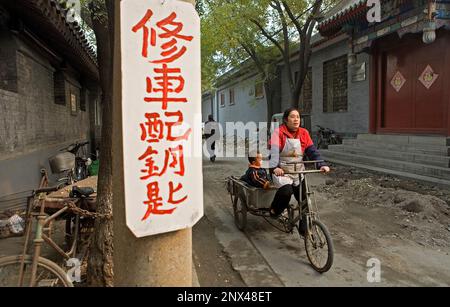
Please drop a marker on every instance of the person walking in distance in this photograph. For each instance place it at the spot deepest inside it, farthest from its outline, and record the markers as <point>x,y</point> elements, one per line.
<point>211,135</point>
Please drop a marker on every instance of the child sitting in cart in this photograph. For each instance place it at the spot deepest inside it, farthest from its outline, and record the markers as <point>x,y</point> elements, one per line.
<point>255,175</point>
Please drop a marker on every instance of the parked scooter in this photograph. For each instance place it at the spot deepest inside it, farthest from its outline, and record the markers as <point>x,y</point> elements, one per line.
<point>327,136</point>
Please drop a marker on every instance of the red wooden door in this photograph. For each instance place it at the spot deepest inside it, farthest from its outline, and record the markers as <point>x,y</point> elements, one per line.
<point>408,105</point>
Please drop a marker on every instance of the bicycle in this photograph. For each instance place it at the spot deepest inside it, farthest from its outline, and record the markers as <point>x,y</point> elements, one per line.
<point>70,162</point>
<point>247,199</point>
<point>327,136</point>
<point>32,269</point>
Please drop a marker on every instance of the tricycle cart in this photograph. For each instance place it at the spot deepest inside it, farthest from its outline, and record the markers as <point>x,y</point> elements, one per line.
<point>247,199</point>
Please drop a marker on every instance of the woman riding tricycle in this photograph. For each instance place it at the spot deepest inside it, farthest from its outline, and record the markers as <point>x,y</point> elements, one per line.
<point>288,144</point>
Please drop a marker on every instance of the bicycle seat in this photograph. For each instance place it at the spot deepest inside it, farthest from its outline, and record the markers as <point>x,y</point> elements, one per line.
<point>78,192</point>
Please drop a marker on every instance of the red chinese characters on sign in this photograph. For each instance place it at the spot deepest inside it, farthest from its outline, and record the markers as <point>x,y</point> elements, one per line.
<point>170,52</point>
<point>166,77</point>
<point>172,191</point>
<point>175,155</point>
<point>152,130</point>
<point>154,202</point>
<point>166,87</point>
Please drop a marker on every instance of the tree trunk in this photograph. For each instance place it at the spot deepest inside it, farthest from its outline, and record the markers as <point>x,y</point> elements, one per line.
<point>100,264</point>
<point>305,33</point>
<point>295,95</point>
<point>269,100</point>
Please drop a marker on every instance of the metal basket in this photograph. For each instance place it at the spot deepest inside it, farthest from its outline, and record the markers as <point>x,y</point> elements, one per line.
<point>62,162</point>
<point>259,198</point>
<point>254,197</point>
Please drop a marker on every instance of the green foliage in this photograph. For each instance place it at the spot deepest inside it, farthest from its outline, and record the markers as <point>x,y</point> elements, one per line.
<point>254,102</point>
<point>223,28</point>
<point>230,34</point>
<point>96,9</point>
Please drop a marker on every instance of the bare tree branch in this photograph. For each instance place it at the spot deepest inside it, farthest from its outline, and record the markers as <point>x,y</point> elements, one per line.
<point>291,15</point>
<point>267,35</point>
<point>305,33</point>
<point>252,53</point>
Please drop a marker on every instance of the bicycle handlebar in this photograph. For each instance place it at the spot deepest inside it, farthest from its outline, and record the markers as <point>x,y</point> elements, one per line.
<point>305,162</point>
<point>305,172</point>
<point>74,145</point>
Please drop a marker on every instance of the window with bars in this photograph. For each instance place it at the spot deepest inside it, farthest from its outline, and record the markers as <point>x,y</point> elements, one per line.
<point>232,96</point>
<point>259,90</point>
<point>305,99</point>
<point>98,112</point>
<point>84,96</point>
<point>222,99</point>
<point>335,85</point>
<point>73,103</point>
<point>59,87</point>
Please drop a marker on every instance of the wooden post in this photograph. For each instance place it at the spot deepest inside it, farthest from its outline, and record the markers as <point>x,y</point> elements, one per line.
<point>159,260</point>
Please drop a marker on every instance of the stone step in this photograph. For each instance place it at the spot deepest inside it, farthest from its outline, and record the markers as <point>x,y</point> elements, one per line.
<point>405,139</point>
<point>418,148</point>
<point>407,167</point>
<point>348,141</point>
<point>407,156</point>
<point>446,183</point>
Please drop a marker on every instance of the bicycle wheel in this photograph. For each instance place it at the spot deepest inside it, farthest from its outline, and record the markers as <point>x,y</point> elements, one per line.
<point>319,247</point>
<point>71,234</point>
<point>240,213</point>
<point>48,274</point>
<point>319,144</point>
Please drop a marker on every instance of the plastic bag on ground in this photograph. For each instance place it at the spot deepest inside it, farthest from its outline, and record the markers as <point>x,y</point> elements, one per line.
<point>16,223</point>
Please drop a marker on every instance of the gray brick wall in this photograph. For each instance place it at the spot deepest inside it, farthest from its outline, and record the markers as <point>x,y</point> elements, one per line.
<point>8,68</point>
<point>207,101</point>
<point>32,120</point>
<point>247,108</point>
<point>32,126</point>
<point>350,123</point>
<point>10,130</point>
<point>356,119</point>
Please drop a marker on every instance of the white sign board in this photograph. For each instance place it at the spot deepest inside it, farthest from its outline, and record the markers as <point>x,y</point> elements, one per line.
<point>161,112</point>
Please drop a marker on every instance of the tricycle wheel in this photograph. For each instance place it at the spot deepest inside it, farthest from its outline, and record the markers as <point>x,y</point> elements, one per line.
<point>240,213</point>
<point>319,247</point>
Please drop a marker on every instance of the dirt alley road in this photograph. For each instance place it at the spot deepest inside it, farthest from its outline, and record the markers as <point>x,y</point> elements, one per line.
<point>403,224</point>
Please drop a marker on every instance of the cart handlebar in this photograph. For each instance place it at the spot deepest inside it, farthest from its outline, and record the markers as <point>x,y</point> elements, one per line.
<point>305,162</point>
<point>305,172</point>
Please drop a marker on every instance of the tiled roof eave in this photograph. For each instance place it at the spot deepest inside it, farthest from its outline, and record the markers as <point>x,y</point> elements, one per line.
<point>47,20</point>
<point>336,21</point>
<point>75,29</point>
